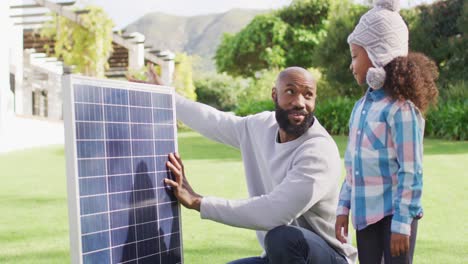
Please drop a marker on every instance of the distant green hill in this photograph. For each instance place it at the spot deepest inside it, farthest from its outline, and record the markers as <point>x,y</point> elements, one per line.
<point>196,35</point>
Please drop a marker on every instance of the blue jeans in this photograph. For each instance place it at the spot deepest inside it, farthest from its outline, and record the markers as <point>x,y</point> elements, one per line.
<point>291,245</point>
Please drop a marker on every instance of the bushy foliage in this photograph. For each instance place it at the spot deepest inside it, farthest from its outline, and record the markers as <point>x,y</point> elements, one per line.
<point>86,47</point>
<point>280,39</point>
<point>307,23</point>
<point>440,31</point>
<point>449,120</point>
<point>183,80</point>
<point>258,46</point>
<point>220,91</point>
<point>257,96</point>
<point>253,107</point>
<point>334,114</point>
<point>332,55</point>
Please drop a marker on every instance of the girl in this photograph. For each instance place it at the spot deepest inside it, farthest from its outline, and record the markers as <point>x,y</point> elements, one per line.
<point>383,160</point>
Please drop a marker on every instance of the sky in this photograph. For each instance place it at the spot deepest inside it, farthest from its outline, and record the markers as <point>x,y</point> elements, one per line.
<point>124,12</point>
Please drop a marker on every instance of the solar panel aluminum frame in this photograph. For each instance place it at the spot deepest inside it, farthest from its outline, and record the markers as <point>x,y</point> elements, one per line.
<point>68,81</point>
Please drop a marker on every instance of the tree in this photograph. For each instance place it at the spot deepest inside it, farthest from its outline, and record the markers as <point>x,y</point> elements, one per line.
<point>87,46</point>
<point>183,81</point>
<point>258,46</point>
<point>307,22</point>
<point>280,39</point>
<point>332,55</point>
<point>440,31</point>
<point>220,91</point>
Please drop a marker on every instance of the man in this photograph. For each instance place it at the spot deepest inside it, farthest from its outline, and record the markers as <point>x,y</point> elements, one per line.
<point>292,168</point>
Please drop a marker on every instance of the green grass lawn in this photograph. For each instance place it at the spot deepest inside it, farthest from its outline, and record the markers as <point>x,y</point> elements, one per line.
<point>33,202</point>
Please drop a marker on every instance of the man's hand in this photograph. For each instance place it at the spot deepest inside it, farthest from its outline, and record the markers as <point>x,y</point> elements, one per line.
<point>399,244</point>
<point>182,189</point>
<point>151,75</point>
<point>341,224</point>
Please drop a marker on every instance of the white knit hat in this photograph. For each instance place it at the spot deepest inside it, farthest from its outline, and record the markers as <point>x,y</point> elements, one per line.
<point>384,35</point>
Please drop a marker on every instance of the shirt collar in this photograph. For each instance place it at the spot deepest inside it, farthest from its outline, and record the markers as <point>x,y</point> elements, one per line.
<point>375,94</point>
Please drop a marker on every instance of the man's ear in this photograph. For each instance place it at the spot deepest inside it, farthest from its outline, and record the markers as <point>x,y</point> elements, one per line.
<point>273,94</point>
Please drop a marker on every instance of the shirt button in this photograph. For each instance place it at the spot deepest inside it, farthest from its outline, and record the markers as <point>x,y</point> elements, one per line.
<point>364,112</point>
<point>420,171</point>
<point>357,172</point>
<point>359,132</point>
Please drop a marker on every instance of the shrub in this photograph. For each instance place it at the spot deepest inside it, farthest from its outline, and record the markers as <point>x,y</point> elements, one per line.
<point>334,114</point>
<point>253,107</point>
<point>454,91</point>
<point>257,97</point>
<point>332,55</point>
<point>220,91</point>
<point>449,120</point>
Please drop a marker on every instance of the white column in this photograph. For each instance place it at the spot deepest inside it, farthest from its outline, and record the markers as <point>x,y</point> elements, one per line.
<point>4,65</point>
<point>16,67</point>
<point>167,67</point>
<point>27,84</point>
<point>136,53</point>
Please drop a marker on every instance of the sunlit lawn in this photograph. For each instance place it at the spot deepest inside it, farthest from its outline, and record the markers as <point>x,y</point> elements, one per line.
<point>34,223</point>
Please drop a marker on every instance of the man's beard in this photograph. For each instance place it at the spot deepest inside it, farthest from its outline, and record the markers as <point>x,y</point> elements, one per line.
<point>290,129</point>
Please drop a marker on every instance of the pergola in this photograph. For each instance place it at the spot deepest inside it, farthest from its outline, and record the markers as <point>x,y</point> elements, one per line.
<point>130,51</point>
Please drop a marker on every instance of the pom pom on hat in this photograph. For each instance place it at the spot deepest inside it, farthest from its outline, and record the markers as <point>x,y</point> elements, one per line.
<point>392,5</point>
<point>375,77</point>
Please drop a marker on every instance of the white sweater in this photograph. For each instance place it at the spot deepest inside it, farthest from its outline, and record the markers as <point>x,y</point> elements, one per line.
<point>295,182</point>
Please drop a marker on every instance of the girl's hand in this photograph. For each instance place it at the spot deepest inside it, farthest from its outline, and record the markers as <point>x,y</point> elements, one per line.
<point>399,244</point>
<point>341,224</point>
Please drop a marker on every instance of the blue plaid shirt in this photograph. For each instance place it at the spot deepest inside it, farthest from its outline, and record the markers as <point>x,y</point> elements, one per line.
<point>383,163</point>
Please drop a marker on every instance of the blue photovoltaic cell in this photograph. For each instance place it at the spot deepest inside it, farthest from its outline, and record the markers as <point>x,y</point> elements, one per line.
<point>89,131</point>
<point>92,186</point>
<point>97,257</point>
<point>162,100</point>
<point>117,131</point>
<point>95,223</point>
<point>123,138</point>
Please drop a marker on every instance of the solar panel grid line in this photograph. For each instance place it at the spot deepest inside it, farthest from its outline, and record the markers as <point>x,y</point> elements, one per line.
<point>127,208</point>
<point>130,135</point>
<point>122,157</point>
<point>134,140</point>
<point>154,151</point>
<point>148,189</point>
<point>114,229</point>
<point>101,159</point>
<point>123,174</point>
<point>107,184</point>
<point>123,105</point>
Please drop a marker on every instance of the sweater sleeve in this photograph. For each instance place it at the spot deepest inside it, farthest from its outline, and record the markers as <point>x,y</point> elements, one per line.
<point>214,124</point>
<point>407,128</point>
<point>310,178</point>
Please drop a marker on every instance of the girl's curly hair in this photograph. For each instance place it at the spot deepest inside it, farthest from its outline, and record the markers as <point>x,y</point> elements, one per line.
<point>412,78</point>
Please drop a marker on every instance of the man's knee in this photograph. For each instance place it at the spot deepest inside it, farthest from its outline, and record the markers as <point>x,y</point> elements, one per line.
<point>283,238</point>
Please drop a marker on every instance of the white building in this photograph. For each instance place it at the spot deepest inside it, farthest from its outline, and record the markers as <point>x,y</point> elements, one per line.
<point>30,81</point>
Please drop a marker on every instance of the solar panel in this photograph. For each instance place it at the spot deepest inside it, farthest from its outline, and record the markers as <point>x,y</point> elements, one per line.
<point>118,137</point>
